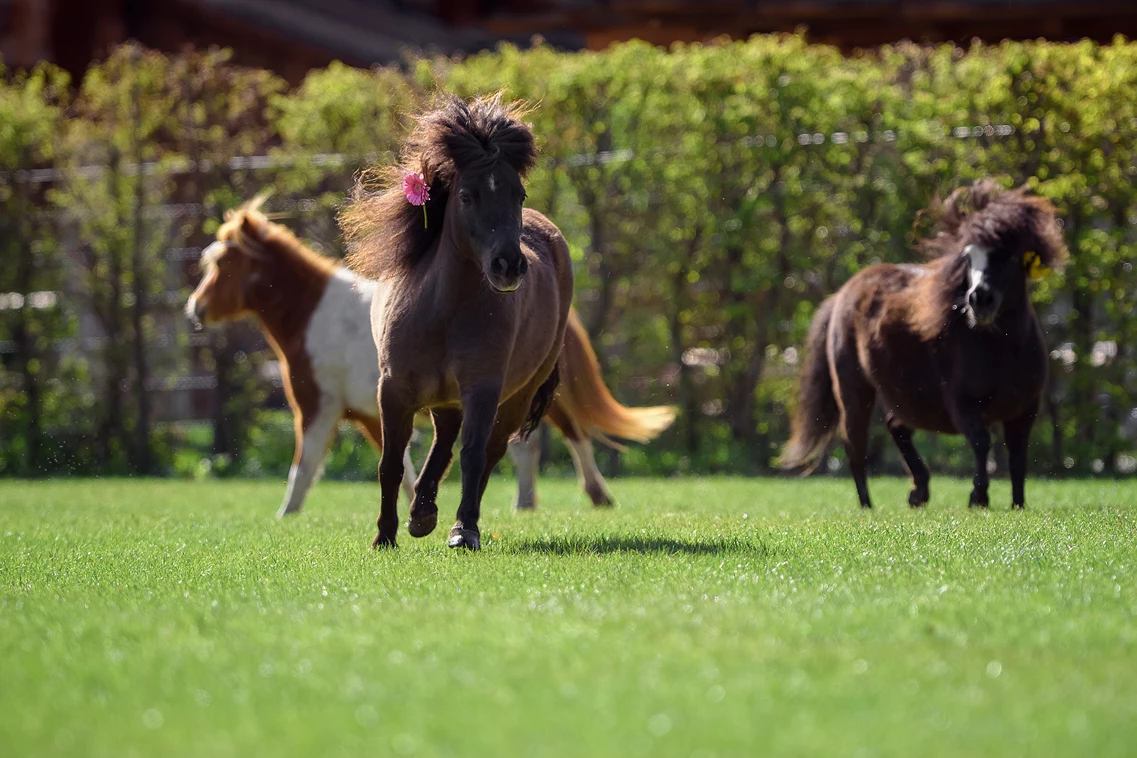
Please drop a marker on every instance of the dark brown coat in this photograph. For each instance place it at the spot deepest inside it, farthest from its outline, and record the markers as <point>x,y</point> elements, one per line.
<point>472,307</point>
<point>950,346</point>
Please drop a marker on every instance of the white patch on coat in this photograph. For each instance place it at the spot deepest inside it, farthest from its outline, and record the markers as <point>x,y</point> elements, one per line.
<point>977,258</point>
<point>345,368</point>
<point>345,363</point>
<point>492,183</point>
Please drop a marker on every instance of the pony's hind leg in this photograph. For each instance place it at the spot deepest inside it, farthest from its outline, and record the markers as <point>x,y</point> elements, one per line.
<point>583,457</point>
<point>424,508</point>
<point>902,436</point>
<point>1017,432</point>
<point>526,455</point>
<point>313,435</point>
<point>590,477</point>
<point>856,398</point>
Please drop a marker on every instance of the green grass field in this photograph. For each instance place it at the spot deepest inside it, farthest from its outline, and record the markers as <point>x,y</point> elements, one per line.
<point>702,617</point>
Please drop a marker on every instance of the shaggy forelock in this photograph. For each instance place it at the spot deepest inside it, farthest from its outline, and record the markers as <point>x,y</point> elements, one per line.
<point>985,214</point>
<point>464,136</point>
<point>387,235</point>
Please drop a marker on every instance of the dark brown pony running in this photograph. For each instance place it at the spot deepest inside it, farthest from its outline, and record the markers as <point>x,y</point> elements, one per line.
<point>950,346</point>
<point>472,304</point>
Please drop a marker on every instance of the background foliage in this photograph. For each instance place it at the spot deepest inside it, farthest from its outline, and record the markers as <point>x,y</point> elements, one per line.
<point>712,195</point>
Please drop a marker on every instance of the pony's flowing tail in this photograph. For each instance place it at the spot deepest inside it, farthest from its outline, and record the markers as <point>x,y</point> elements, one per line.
<point>541,402</point>
<point>586,401</point>
<point>817,414</point>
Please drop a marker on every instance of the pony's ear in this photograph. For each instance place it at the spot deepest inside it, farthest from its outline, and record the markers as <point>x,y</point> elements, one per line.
<point>252,229</point>
<point>252,233</point>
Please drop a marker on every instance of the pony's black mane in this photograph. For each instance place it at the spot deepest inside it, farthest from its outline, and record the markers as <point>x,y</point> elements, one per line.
<point>386,235</point>
<point>985,214</point>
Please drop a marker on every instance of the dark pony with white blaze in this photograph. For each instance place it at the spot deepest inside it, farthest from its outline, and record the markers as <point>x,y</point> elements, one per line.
<point>472,305</point>
<point>951,346</point>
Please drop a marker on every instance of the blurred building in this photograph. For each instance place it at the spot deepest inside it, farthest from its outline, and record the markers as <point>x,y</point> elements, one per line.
<point>293,36</point>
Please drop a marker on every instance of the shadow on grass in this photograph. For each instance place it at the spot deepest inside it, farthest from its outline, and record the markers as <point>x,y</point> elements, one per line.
<point>604,545</point>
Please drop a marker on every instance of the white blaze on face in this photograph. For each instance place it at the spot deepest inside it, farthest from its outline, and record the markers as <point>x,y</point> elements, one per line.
<point>213,251</point>
<point>977,261</point>
<point>491,183</point>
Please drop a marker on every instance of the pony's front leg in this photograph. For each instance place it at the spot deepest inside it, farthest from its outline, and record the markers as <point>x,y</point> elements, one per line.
<point>313,434</point>
<point>970,422</point>
<point>398,418</point>
<point>424,507</point>
<point>1017,432</point>
<point>479,410</point>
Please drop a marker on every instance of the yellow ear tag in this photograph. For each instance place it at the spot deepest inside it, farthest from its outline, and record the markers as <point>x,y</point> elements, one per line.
<point>1033,265</point>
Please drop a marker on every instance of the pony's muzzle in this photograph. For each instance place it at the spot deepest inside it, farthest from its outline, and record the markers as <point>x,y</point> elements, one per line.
<point>984,304</point>
<point>506,273</point>
<point>195,312</point>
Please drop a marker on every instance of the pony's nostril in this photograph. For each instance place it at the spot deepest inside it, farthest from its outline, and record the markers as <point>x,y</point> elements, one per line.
<point>498,266</point>
<point>981,299</point>
<point>522,266</point>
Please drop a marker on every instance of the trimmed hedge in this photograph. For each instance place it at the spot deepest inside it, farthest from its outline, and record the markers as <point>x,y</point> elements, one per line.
<point>712,196</point>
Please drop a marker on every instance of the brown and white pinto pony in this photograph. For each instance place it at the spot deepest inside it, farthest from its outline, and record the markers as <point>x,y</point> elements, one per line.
<point>951,346</point>
<point>316,316</point>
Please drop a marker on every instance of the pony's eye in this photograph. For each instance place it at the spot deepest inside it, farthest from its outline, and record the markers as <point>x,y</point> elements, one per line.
<point>465,198</point>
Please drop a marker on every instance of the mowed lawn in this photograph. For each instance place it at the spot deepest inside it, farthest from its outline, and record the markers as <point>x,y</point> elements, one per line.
<point>702,617</point>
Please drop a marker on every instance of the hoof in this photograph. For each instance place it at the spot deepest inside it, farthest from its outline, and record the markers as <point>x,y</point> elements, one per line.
<point>600,498</point>
<point>1018,506</point>
<point>383,541</point>
<point>467,538</point>
<point>917,499</point>
<point>977,500</point>
<point>528,506</point>
<point>866,506</point>
<point>285,511</point>
<point>420,526</point>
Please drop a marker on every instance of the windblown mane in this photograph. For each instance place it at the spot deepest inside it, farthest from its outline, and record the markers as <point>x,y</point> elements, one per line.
<point>385,233</point>
<point>982,214</point>
<point>985,214</point>
<point>263,240</point>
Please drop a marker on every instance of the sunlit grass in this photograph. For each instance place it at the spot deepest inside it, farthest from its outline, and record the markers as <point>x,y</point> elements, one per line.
<point>701,617</point>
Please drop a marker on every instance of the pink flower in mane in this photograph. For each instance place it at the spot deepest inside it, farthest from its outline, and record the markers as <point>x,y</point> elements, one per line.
<point>415,188</point>
<point>417,191</point>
